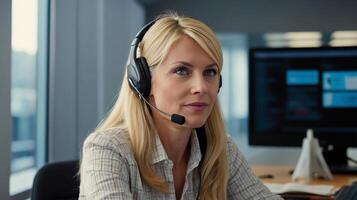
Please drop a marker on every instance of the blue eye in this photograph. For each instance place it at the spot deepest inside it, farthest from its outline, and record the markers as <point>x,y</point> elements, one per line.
<point>182,71</point>
<point>210,72</point>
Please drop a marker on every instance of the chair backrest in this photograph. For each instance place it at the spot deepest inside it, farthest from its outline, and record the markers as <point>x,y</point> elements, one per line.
<point>56,181</point>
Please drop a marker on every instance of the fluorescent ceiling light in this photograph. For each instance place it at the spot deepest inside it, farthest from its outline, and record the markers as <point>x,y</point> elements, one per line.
<point>303,35</point>
<point>304,43</point>
<point>293,36</point>
<point>344,34</point>
<point>294,43</point>
<point>274,36</point>
<point>280,43</point>
<point>343,42</point>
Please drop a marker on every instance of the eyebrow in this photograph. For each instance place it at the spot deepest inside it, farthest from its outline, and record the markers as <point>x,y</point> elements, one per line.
<point>190,65</point>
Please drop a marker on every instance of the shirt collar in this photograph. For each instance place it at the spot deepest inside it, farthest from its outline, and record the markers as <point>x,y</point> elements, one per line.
<point>195,154</point>
<point>159,153</point>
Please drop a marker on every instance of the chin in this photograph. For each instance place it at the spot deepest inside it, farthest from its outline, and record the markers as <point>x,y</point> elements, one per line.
<point>195,123</point>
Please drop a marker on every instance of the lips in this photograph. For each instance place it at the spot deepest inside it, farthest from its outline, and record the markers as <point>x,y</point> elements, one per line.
<point>197,106</point>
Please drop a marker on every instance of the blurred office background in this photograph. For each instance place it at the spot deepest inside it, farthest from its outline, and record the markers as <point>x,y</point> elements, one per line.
<point>62,62</point>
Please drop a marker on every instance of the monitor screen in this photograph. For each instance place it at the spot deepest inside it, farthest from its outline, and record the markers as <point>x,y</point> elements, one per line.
<point>295,89</point>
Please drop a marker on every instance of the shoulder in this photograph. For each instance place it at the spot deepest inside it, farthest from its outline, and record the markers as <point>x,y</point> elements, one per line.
<point>231,146</point>
<point>110,136</point>
<point>115,140</point>
<point>242,182</point>
<point>235,156</point>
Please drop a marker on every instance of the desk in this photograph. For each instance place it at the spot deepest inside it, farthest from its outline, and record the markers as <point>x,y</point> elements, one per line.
<point>281,175</point>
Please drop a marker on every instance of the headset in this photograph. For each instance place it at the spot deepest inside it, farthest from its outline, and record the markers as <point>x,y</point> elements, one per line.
<point>138,71</point>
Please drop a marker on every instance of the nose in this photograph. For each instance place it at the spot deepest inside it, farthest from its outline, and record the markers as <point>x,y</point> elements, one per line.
<point>199,85</point>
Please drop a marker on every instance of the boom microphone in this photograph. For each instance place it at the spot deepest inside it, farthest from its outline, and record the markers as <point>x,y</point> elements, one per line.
<point>176,118</point>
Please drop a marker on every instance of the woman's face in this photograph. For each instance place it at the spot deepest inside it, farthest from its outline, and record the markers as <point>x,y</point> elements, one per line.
<point>185,83</point>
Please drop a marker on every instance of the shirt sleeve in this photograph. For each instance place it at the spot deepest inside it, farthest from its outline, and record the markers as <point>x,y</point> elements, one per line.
<point>242,182</point>
<point>104,172</point>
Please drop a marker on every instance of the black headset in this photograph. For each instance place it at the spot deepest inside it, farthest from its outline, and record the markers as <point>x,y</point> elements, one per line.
<point>138,72</point>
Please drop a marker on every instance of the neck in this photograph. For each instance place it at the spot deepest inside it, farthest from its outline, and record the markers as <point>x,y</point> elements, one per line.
<point>175,139</point>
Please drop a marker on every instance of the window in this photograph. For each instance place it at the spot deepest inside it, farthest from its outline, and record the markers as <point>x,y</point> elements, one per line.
<point>28,91</point>
<point>234,93</point>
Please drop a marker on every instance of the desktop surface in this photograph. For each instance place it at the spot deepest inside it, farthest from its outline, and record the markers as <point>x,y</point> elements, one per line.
<point>282,174</point>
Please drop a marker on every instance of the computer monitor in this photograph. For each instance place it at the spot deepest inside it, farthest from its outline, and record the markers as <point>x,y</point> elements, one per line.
<point>295,89</point>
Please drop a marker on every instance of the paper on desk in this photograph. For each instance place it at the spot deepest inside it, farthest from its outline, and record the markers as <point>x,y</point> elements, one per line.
<point>298,187</point>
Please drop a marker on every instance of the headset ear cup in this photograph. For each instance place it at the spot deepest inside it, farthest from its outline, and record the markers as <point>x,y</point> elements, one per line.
<point>139,77</point>
<point>145,81</point>
<point>133,76</point>
<point>138,72</point>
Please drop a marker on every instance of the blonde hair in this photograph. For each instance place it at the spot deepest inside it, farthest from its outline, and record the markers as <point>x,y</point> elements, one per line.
<point>134,115</point>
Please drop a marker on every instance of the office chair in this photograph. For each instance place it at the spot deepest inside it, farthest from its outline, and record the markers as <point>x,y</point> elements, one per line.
<point>57,181</point>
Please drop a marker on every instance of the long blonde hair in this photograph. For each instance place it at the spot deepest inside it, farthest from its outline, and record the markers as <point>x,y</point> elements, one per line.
<point>134,115</point>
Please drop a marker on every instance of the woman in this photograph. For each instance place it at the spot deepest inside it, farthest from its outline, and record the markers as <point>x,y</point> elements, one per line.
<point>137,152</point>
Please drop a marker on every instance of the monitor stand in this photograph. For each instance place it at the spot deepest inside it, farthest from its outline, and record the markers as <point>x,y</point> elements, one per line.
<point>337,160</point>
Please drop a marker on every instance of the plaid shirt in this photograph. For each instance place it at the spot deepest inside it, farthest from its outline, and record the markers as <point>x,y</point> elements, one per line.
<point>109,171</point>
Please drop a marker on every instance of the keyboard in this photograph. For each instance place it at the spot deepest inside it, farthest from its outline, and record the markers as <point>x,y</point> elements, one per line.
<point>348,192</point>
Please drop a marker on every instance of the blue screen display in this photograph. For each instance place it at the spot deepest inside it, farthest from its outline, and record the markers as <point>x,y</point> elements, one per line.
<point>302,77</point>
<point>339,80</point>
<point>339,89</point>
<point>340,99</point>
